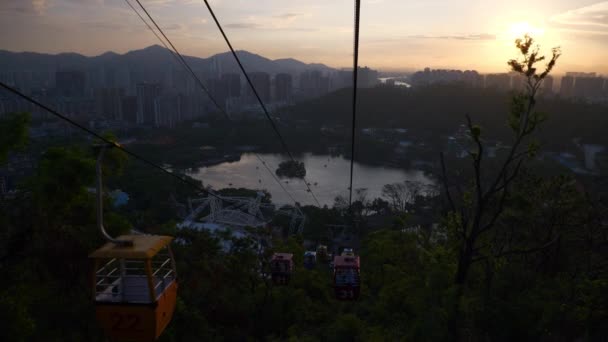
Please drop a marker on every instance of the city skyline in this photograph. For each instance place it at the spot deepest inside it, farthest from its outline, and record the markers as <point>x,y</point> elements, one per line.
<point>394,35</point>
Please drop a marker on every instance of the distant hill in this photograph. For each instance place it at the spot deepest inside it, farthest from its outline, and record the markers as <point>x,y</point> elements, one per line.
<point>154,57</point>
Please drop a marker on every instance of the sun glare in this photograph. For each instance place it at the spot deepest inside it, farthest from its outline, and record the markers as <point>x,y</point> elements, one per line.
<point>517,30</point>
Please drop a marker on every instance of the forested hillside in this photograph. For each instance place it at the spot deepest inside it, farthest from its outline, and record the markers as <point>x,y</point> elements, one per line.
<point>436,110</point>
<point>550,285</point>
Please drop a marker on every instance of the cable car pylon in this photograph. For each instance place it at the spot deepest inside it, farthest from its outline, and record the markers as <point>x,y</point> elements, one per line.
<point>134,282</point>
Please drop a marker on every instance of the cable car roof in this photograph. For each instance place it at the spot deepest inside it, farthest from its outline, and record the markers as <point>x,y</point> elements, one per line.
<point>282,256</point>
<point>346,261</point>
<point>144,247</point>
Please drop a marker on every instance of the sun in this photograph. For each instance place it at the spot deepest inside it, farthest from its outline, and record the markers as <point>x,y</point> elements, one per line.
<point>519,29</point>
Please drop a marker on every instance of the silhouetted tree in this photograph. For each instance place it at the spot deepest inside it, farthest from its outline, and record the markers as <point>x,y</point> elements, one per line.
<point>473,217</point>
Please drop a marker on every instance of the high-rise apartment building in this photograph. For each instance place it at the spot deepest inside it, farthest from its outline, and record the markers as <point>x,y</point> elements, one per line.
<point>261,82</point>
<point>566,87</point>
<point>588,87</point>
<point>70,83</point>
<point>283,84</point>
<point>129,109</point>
<point>233,83</point>
<point>498,81</point>
<point>367,77</point>
<point>146,94</point>
<point>109,103</point>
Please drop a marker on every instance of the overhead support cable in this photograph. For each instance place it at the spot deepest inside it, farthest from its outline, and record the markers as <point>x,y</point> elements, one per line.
<point>257,96</point>
<point>180,59</point>
<point>354,120</point>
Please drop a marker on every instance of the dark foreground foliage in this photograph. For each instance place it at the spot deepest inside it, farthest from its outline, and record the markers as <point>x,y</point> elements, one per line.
<point>545,278</point>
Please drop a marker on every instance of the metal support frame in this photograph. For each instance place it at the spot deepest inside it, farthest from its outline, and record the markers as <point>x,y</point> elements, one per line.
<point>243,211</point>
<point>100,155</point>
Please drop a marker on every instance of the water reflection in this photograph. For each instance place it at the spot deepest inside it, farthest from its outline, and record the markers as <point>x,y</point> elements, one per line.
<point>328,177</point>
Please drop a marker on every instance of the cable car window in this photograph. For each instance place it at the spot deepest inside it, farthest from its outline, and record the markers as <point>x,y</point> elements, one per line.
<point>280,266</point>
<point>162,270</point>
<point>122,280</point>
<point>347,277</point>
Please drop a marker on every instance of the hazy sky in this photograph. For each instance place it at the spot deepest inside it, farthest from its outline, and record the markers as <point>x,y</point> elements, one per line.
<point>394,33</point>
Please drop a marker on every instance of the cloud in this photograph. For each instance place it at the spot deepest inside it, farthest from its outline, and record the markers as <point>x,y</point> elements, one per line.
<point>24,6</point>
<point>163,3</point>
<point>595,15</point>
<point>39,5</point>
<point>278,22</point>
<point>159,2</point>
<point>243,25</point>
<point>103,25</point>
<point>287,15</point>
<point>481,36</point>
<point>173,27</point>
<point>256,26</point>
<point>295,29</point>
<point>419,38</point>
<point>83,2</point>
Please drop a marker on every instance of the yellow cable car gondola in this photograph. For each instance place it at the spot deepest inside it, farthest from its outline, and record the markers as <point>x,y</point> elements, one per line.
<point>134,283</point>
<point>135,287</point>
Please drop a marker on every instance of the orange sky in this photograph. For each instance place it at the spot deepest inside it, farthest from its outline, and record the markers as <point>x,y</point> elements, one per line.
<point>395,34</point>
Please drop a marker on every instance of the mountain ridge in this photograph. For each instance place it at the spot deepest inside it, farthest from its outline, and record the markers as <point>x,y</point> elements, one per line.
<point>152,57</point>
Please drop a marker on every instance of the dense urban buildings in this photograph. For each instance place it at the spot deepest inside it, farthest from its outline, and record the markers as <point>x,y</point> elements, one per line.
<point>429,76</point>
<point>150,94</point>
<point>573,85</point>
<point>109,101</point>
<point>566,86</point>
<point>144,97</point>
<point>313,83</point>
<point>233,83</point>
<point>283,84</point>
<point>261,82</point>
<point>70,83</point>
<point>584,86</point>
<point>147,93</point>
<point>144,87</point>
<point>367,77</point>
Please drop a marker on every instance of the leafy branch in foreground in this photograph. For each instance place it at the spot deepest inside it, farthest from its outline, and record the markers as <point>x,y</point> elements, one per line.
<point>13,133</point>
<point>480,208</point>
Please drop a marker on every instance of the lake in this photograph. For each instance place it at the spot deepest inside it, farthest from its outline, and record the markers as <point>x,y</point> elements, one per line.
<point>328,177</point>
<point>397,83</point>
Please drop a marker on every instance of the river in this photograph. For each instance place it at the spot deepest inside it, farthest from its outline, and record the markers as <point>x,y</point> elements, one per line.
<point>328,177</point>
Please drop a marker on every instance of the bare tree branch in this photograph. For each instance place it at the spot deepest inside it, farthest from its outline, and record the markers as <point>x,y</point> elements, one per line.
<point>446,185</point>
<point>519,251</point>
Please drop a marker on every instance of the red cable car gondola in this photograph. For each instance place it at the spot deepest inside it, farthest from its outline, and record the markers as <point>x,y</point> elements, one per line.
<point>281,267</point>
<point>347,279</point>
